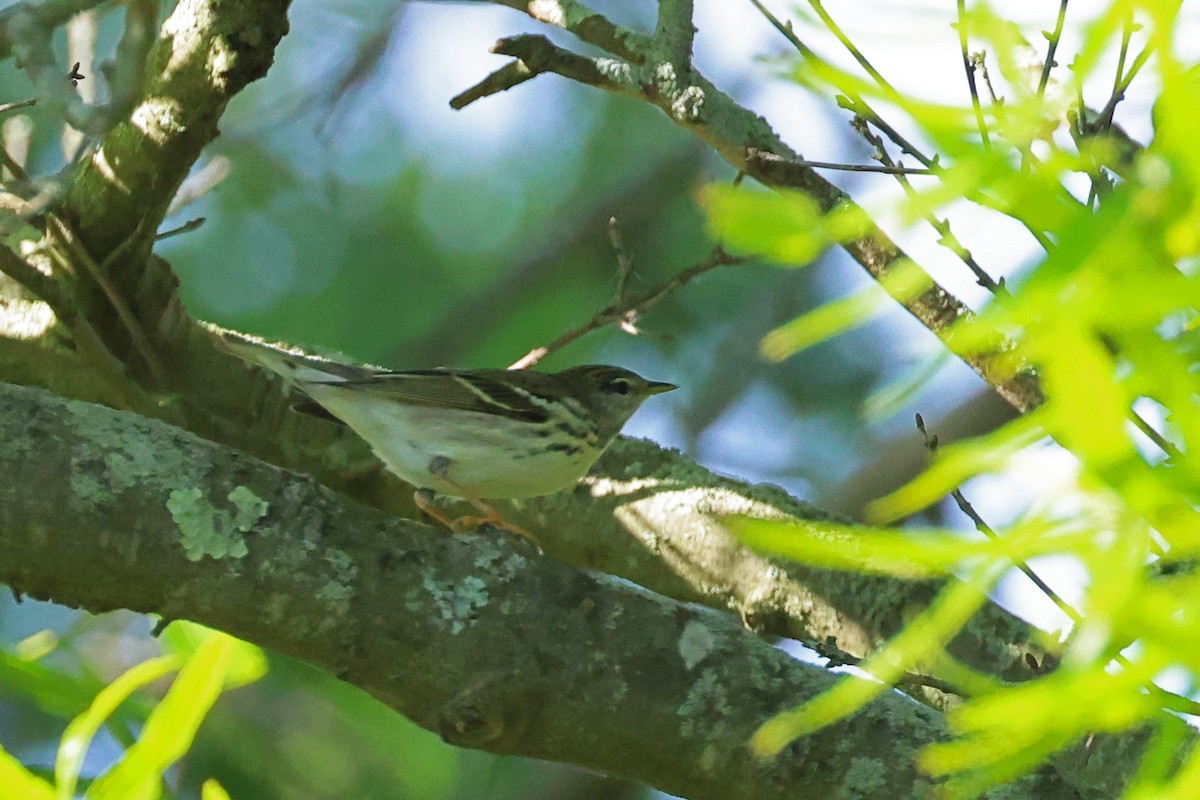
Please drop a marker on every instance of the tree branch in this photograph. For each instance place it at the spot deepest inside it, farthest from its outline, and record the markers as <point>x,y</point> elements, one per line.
<point>206,53</point>
<point>675,32</point>
<point>478,638</point>
<point>586,24</point>
<point>671,541</point>
<point>735,133</point>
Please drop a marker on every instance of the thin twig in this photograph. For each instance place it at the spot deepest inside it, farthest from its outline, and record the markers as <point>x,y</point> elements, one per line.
<point>624,265</point>
<point>860,108</point>
<point>969,68</point>
<point>99,273</point>
<point>717,119</point>
<point>980,61</point>
<point>1169,700</point>
<point>785,166</point>
<point>1054,37</point>
<point>6,107</point>
<point>854,102</point>
<point>1165,444</point>
<point>1118,76</point>
<point>12,166</point>
<point>931,444</point>
<point>1103,121</point>
<point>589,26</point>
<point>33,206</point>
<point>837,657</point>
<point>941,225</point>
<point>187,227</point>
<point>852,48</point>
<point>511,74</point>
<point>1122,86</point>
<point>632,309</point>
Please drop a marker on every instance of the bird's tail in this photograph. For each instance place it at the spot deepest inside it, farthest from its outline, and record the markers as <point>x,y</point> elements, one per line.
<point>293,365</point>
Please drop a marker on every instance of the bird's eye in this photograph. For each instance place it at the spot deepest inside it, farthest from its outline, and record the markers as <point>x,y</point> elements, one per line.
<point>619,386</point>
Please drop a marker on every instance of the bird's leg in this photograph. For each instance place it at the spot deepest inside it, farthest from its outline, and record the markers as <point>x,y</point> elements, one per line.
<point>439,466</point>
<point>424,500</point>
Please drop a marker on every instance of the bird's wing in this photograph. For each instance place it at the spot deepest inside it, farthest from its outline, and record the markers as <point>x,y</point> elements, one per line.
<point>485,391</point>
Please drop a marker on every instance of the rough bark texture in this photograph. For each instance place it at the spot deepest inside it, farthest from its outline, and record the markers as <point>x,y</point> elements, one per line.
<point>478,637</point>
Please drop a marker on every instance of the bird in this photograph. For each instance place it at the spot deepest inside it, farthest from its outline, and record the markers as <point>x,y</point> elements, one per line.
<point>477,434</point>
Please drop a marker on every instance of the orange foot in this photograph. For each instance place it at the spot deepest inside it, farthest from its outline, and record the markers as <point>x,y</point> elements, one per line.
<point>424,500</point>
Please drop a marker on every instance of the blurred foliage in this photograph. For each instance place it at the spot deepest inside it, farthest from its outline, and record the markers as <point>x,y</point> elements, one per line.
<point>347,207</point>
<point>208,662</point>
<point>1106,317</point>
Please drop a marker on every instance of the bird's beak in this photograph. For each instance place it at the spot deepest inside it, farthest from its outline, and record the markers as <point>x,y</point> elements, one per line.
<point>658,387</point>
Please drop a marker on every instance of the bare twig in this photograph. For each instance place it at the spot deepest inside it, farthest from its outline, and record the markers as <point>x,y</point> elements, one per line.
<point>511,74</point>
<point>187,227</point>
<point>839,658</point>
<point>37,197</point>
<point>1164,444</point>
<point>1119,75</point>
<point>852,48</point>
<point>126,72</point>
<point>632,309</point>
<point>30,39</point>
<point>1054,37</point>
<point>1169,700</point>
<point>980,62</point>
<point>931,444</point>
<point>789,170</point>
<point>588,25</point>
<point>969,68</point>
<point>541,55</point>
<point>732,130</point>
<point>16,169</point>
<point>1122,85</point>
<point>49,14</point>
<point>940,224</point>
<point>6,107</point>
<point>854,102</point>
<point>99,273</point>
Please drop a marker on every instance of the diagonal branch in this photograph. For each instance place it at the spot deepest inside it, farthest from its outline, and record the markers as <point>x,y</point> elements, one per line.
<point>743,139</point>
<point>478,638</point>
<point>588,25</point>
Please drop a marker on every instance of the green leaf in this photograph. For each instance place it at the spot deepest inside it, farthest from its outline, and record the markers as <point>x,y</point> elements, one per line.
<point>957,462</point>
<point>1008,733</point>
<point>211,790</point>
<point>1088,408</point>
<point>54,691</point>
<point>172,725</point>
<point>247,662</point>
<point>80,732</point>
<point>18,783</point>
<point>786,226</point>
<point>918,645</point>
<point>906,554</point>
<point>823,323</point>
<point>903,281</point>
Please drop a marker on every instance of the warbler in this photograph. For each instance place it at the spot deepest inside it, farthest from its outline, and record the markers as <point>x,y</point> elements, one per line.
<point>474,434</point>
